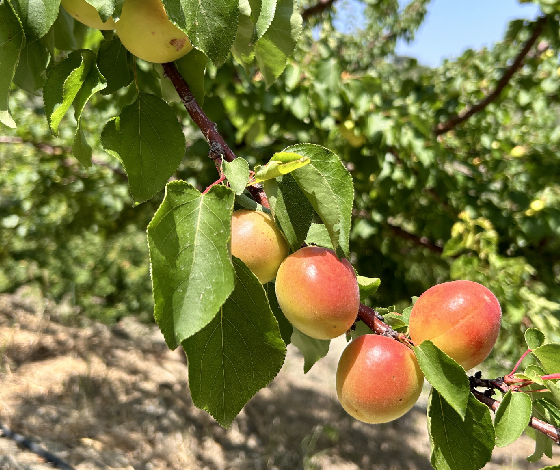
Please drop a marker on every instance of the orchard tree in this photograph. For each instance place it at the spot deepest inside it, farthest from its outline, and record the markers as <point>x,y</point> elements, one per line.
<point>214,254</point>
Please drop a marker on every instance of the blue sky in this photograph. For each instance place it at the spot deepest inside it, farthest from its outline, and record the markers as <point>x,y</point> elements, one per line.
<point>452,26</point>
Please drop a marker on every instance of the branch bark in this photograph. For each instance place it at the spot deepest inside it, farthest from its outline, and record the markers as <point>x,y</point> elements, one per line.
<point>317,9</point>
<point>517,63</point>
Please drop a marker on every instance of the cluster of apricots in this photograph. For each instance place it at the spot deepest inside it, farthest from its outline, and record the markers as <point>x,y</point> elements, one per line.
<point>143,28</point>
<point>378,378</point>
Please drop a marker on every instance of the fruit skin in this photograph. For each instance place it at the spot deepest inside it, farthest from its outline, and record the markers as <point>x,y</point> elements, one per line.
<point>317,292</point>
<point>257,242</point>
<point>462,318</point>
<point>378,379</point>
<point>86,14</point>
<point>145,30</point>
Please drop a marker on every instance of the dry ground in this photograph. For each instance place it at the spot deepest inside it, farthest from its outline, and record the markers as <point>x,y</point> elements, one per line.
<point>115,397</point>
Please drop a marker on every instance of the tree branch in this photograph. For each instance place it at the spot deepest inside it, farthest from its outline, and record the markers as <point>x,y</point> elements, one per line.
<point>218,148</point>
<point>442,128</point>
<point>317,9</point>
<point>375,323</point>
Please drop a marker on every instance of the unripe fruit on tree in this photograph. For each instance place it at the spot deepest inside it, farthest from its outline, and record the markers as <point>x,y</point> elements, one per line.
<point>462,318</point>
<point>86,14</point>
<point>257,242</point>
<point>378,379</point>
<point>145,30</point>
<point>317,292</point>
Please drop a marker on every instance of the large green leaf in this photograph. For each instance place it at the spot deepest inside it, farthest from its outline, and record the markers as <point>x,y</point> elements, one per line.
<point>192,67</point>
<point>327,185</point>
<point>12,40</point>
<point>211,26</point>
<point>286,328</point>
<point>311,349</point>
<point>512,417</point>
<point>149,140</point>
<point>237,174</point>
<point>459,444</point>
<point>37,17</point>
<point>549,356</point>
<point>33,60</point>
<point>192,275</point>
<point>238,353</point>
<point>112,61</point>
<point>445,375</point>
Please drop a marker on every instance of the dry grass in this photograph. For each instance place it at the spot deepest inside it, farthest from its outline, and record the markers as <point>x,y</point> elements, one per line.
<point>103,397</point>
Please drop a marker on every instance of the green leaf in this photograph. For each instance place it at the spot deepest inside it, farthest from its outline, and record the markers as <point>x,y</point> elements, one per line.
<point>149,140</point>
<point>211,26</point>
<point>37,17</point>
<point>192,275</point>
<point>534,338</point>
<point>368,286</point>
<point>445,375</point>
<point>290,208</point>
<point>107,8</point>
<point>238,353</point>
<point>512,417</point>
<point>265,16</point>
<point>278,43</point>
<point>395,321</point>
<point>33,60</point>
<point>549,356</point>
<point>310,348</point>
<point>543,446</point>
<point>459,444</point>
<point>192,68</point>
<point>242,48</point>
<point>112,61</point>
<point>319,235</point>
<point>280,166</point>
<point>81,149</point>
<point>93,82</point>
<point>237,174</point>
<point>328,187</point>
<point>12,40</point>
<point>286,328</point>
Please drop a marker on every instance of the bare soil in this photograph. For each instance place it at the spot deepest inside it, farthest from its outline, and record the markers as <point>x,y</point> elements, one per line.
<point>115,397</point>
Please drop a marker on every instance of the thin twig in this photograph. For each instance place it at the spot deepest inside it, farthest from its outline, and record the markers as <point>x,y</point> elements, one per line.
<point>375,323</point>
<point>467,113</point>
<point>317,9</point>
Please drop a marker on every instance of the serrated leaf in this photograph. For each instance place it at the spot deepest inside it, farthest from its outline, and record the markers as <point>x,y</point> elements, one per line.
<point>37,17</point>
<point>310,348</point>
<point>286,328</point>
<point>92,83</point>
<point>445,375</point>
<point>81,149</point>
<point>549,356</point>
<point>238,353</point>
<point>149,141</point>
<point>459,444</point>
<point>512,417</point>
<point>211,26</point>
<point>278,43</point>
<point>192,275</point>
<point>33,60</point>
<point>368,286</point>
<point>242,48</point>
<point>319,235</point>
<point>265,16</point>
<point>237,174</point>
<point>112,61</point>
<point>276,168</point>
<point>12,40</point>
<point>534,338</point>
<point>328,186</point>
<point>290,208</point>
<point>192,68</point>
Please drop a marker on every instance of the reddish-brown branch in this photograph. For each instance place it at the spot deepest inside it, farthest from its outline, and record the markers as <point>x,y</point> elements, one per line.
<point>543,427</point>
<point>317,9</point>
<point>372,319</point>
<point>517,63</point>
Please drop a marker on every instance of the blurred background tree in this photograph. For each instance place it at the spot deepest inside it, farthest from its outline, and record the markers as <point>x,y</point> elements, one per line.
<point>437,197</point>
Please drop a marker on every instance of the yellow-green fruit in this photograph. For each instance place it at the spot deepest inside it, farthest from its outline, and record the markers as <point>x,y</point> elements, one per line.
<point>86,14</point>
<point>145,30</point>
<point>257,242</point>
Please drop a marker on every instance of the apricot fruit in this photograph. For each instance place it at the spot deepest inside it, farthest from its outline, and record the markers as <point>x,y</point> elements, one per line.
<point>378,379</point>
<point>145,30</point>
<point>318,292</point>
<point>257,242</point>
<point>462,318</point>
<point>86,14</point>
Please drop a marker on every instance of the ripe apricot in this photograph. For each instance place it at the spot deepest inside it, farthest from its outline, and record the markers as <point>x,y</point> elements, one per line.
<point>145,30</point>
<point>257,242</point>
<point>378,379</point>
<point>317,292</point>
<point>462,318</point>
<point>86,14</point>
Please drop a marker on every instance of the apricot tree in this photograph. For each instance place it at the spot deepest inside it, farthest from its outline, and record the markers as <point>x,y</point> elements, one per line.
<point>208,301</point>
